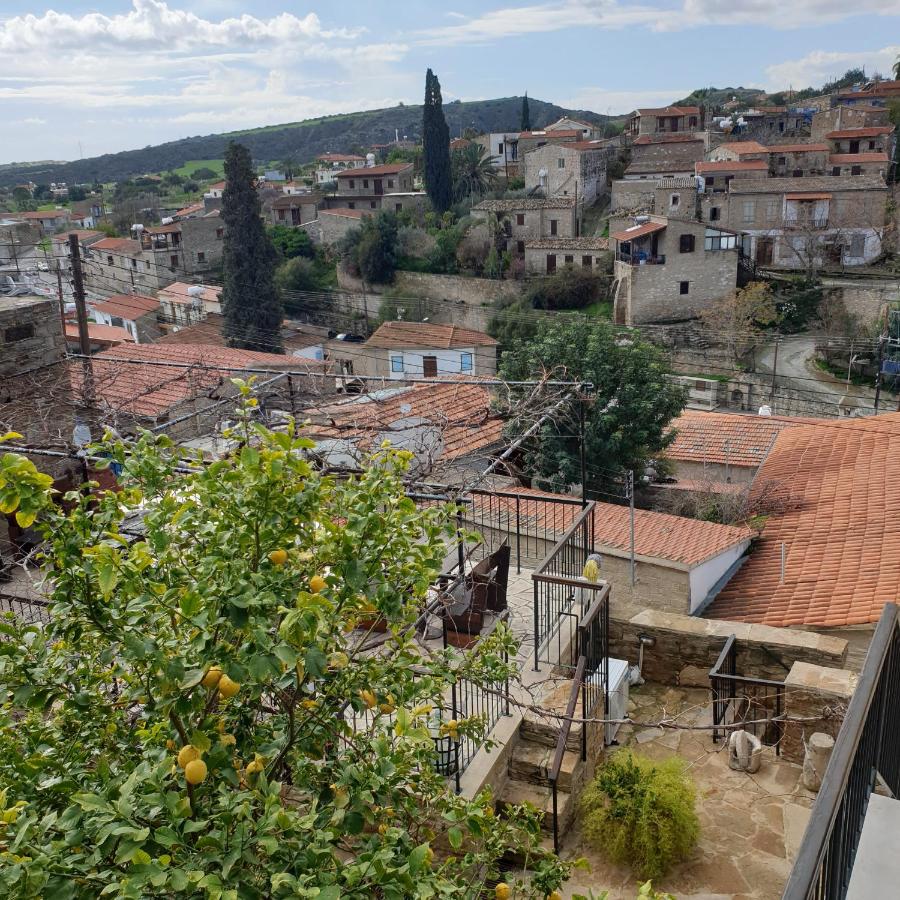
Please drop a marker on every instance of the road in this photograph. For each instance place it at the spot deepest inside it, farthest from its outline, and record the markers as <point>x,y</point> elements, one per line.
<point>798,371</point>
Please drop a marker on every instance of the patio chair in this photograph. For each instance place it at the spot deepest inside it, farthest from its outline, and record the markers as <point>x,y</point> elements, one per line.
<point>483,590</point>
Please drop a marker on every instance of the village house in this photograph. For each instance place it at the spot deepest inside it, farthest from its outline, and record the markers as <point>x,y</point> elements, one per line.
<point>739,151</point>
<point>531,140</point>
<point>390,187</point>
<point>48,221</point>
<point>59,244</point>
<point>664,120</point>
<point>576,169</point>
<point>183,304</point>
<point>869,139</point>
<point>31,335</point>
<point>872,163</point>
<point>294,209</point>
<point>100,337</point>
<point>768,122</point>
<point>664,155</point>
<point>803,224</point>
<point>544,256</point>
<point>333,224</point>
<point>138,315</point>
<point>329,164</point>
<point>503,149</point>
<point>588,132</point>
<point>874,93</point>
<point>668,270</point>
<point>842,117</point>
<point>410,350</point>
<point>530,217</point>
<point>798,160</point>
<point>716,176</point>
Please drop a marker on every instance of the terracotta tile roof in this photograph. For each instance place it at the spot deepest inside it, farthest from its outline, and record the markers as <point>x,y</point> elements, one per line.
<point>799,148</point>
<point>678,138</point>
<point>850,158</point>
<point>743,148</point>
<point>150,390</point>
<point>557,133</point>
<point>190,209</point>
<point>339,157</point>
<point>636,231</point>
<point>748,165</point>
<point>670,111</point>
<point>171,228</point>
<point>44,214</point>
<point>179,292</point>
<point>208,332</point>
<point>462,413</point>
<point>725,438</point>
<point>391,169</point>
<point>217,186</point>
<point>104,334</point>
<point>853,133</point>
<point>391,335</point>
<point>459,143</point>
<point>128,306</point>
<point>118,245</point>
<point>660,536</point>
<point>841,485</point>
<point>582,146</point>
<point>83,234</point>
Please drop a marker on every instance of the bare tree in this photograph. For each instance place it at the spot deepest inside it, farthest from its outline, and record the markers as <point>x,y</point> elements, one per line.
<point>740,317</point>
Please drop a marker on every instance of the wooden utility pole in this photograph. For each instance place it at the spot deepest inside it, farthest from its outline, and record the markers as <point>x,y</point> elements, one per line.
<point>62,302</point>
<point>78,287</point>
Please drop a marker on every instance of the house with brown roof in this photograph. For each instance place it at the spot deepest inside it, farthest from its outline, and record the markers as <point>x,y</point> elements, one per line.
<point>294,209</point>
<point>409,350</point>
<point>136,314</point>
<point>873,93</point>
<point>182,303</point>
<point>838,118</point>
<point>544,256</point>
<point>660,155</point>
<point>373,187</point>
<point>574,169</point>
<point>798,160</point>
<point>874,163</point>
<point>739,150</point>
<point>328,165</point>
<point>48,221</point>
<point>332,225</point>
<point>101,337</point>
<point>828,555</point>
<point>716,175</point>
<point>449,428</point>
<point>531,140</point>
<point>872,139</point>
<point>527,218</point>
<point>664,120</point>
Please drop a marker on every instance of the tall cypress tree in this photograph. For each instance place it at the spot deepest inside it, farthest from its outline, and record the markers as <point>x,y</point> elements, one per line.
<point>250,302</point>
<point>436,146</point>
<point>526,114</point>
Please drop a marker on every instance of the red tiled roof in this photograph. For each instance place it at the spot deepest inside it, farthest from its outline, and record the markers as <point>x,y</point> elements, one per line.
<point>840,484</point>
<point>679,138</point>
<point>459,143</point>
<point>120,245</point>
<point>217,186</point>
<point>687,542</point>
<point>178,292</point>
<point>670,111</point>
<point>799,148</point>
<point>44,214</point>
<point>171,228</point>
<point>560,132</point>
<point>462,412</point>
<point>82,234</point>
<point>128,306</point>
<point>588,145</point>
<point>391,169</point>
<point>853,133</point>
<point>851,158</point>
<point>150,390</point>
<point>392,335</point>
<point>104,334</point>
<point>189,209</point>
<point>725,438</point>
<point>636,231</point>
<point>749,165</point>
<point>743,148</point>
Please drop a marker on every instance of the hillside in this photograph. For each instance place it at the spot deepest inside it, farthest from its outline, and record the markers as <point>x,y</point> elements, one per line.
<point>300,140</point>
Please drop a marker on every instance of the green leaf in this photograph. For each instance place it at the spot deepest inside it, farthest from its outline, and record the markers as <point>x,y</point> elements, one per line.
<point>200,741</point>
<point>192,678</point>
<point>91,802</point>
<point>455,836</point>
<point>287,655</point>
<point>329,892</point>
<point>417,858</point>
<point>316,662</point>
<point>178,880</point>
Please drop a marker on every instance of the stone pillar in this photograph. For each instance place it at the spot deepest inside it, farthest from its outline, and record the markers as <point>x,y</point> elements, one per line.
<point>818,752</point>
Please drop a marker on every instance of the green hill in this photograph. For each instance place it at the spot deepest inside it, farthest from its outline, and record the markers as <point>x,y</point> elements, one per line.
<point>301,141</point>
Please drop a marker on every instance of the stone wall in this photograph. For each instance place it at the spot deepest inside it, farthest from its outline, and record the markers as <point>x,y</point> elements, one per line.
<point>31,334</point>
<point>629,196</point>
<point>687,647</point>
<point>814,693</point>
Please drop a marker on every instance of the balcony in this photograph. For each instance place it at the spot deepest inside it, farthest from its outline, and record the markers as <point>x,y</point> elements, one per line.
<point>641,258</point>
<point>800,223</point>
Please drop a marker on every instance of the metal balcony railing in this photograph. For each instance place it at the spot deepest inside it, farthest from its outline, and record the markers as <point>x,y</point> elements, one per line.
<point>641,259</point>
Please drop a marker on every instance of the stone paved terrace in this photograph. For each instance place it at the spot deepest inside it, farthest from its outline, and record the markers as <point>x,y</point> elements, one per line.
<point>750,825</point>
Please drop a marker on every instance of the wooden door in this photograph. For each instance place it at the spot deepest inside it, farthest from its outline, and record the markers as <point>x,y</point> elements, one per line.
<point>764,250</point>
<point>429,366</point>
<point>379,190</point>
<point>551,263</point>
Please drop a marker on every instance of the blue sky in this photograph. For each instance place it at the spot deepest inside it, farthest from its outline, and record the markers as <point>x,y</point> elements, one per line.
<point>93,77</point>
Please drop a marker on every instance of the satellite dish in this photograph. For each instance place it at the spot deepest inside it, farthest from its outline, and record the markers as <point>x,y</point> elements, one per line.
<point>765,410</point>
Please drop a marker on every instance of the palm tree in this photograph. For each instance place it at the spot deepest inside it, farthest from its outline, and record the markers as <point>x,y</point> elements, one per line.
<point>473,171</point>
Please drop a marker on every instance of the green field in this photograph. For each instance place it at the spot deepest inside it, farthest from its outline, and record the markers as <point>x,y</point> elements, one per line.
<point>217,165</point>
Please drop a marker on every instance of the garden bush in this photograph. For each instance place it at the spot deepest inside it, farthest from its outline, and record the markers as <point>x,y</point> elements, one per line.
<point>569,288</point>
<point>641,812</point>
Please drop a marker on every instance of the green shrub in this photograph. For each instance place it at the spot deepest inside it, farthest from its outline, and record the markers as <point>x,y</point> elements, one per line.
<point>569,288</point>
<point>641,812</point>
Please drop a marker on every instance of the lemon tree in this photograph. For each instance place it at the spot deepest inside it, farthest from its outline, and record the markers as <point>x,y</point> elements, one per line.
<point>199,720</point>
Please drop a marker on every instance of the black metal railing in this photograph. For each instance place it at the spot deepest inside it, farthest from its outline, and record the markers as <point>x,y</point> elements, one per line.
<point>27,609</point>
<point>867,749</point>
<point>590,684</point>
<point>558,587</point>
<point>641,259</point>
<point>754,704</point>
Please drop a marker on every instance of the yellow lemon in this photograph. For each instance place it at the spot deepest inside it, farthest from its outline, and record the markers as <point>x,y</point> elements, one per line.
<point>187,754</point>
<point>255,767</point>
<point>211,678</point>
<point>387,708</point>
<point>278,557</point>
<point>369,699</point>
<point>227,687</point>
<point>554,895</point>
<point>195,771</point>
<point>502,891</point>
<point>317,584</point>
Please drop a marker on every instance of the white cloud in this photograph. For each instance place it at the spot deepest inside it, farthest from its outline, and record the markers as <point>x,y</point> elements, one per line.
<point>821,65</point>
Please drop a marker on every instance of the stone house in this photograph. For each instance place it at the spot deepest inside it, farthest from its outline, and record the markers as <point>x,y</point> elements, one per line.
<point>531,140</point>
<point>15,235</point>
<point>671,269</point>
<point>503,149</point>
<point>576,169</point>
<point>798,160</point>
<point>183,304</point>
<point>31,334</point>
<point>373,182</point>
<point>716,176</point>
<point>771,122</point>
<point>874,93</point>
<point>588,132</point>
<point>736,151</point>
<point>662,155</point>
<point>839,118</point>
<point>664,120</point>
<point>530,217</point>
<point>544,256</point>
<point>48,221</point>
<point>294,209</point>
<point>330,164</point>
<point>802,224</point>
<point>138,315</point>
<point>872,139</point>
<point>409,350</point>
<point>873,163</point>
<point>333,224</point>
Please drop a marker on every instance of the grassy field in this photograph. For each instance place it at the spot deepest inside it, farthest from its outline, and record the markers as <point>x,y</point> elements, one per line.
<point>217,165</point>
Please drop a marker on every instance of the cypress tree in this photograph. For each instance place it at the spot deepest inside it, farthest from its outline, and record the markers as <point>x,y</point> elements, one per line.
<point>250,302</point>
<point>436,146</point>
<point>526,114</point>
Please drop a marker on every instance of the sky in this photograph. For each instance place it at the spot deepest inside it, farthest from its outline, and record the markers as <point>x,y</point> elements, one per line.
<point>85,78</point>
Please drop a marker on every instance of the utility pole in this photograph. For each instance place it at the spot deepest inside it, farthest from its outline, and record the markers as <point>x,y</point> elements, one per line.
<point>774,369</point>
<point>62,302</point>
<point>878,376</point>
<point>630,483</point>
<point>80,307</point>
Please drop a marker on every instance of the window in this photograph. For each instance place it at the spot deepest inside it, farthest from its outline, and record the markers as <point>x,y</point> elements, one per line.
<point>856,170</point>
<point>351,205</point>
<point>18,333</point>
<point>782,161</point>
<point>771,210</point>
<point>683,287</point>
<point>201,256</point>
<point>220,233</point>
<point>352,182</point>
<point>710,181</point>
<point>569,259</point>
<point>372,204</point>
<point>857,247</point>
<point>109,260</point>
<point>133,263</point>
<point>500,147</point>
<point>692,122</point>
<point>586,262</point>
<point>714,214</point>
<point>871,145</point>
<point>674,199</point>
<point>561,162</point>
<point>173,260</point>
<point>797,173</point>
<point>719,240</point>
<point>118,321</point>
<point>396,363</point>
<point>390,182</point>
<point>686,243</point>
<point>365,182</point>
<point>280,215</point>
<point>749,211</point>
<point>836,170</point>
<point>398,207</point>
<point>520,218</point>
<point>465,362</point>
<point>554,226</point>
<point>520,247</point>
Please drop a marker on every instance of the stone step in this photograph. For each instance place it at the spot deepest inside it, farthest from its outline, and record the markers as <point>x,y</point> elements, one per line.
<point>531,762</point>
<point>544,729</point>
<point>516,792</point>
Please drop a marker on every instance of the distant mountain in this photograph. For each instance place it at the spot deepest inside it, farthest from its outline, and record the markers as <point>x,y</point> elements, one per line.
<point>302,141</point>
<point>713,97</point>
